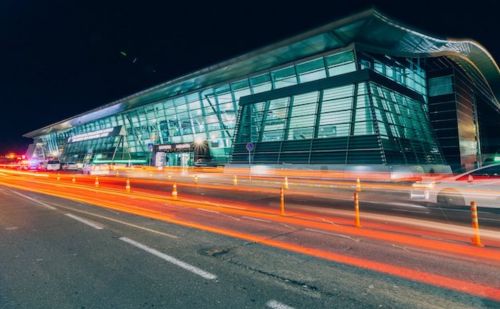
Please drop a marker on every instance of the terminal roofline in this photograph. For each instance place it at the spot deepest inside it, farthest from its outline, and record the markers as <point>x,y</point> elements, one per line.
<point>494,77</point>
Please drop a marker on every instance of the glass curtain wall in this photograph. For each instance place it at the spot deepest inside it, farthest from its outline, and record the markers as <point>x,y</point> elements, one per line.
<point>208,115</point>
<point>358,123</point>
<point>356,118</point>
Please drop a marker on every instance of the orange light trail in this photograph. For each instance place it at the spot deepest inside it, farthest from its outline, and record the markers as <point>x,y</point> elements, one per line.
<point>149,204</point>
<point>296,218</point>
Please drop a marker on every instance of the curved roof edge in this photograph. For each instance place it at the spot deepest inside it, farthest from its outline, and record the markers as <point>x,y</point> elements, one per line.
<point>397,40</point>
<point>466,50</point>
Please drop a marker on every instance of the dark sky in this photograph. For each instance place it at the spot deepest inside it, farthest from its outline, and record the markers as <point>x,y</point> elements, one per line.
<point>59,58</point>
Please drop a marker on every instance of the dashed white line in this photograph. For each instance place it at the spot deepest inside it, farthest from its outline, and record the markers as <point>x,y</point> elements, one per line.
<point>256,219</point>
<point>489,219</point>
<point>332,234</point>
<point>209,210</point>
<point>274,304</point>
<point>406,210</point>
<point>85,221</point>
<point>217,212</point>
<point>328,221</point>
<point>34,200</point>
<point>119,221</point>
<point>286,225</point>
<point>195,270</point>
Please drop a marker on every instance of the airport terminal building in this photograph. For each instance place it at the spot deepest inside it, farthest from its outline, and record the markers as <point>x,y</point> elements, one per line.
<point>361,91</point>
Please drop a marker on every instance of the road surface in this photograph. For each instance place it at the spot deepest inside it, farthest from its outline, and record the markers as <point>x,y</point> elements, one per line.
<point>58,253</point>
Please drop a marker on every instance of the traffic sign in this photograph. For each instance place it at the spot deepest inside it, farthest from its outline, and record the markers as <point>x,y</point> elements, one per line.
<point>250,146</point>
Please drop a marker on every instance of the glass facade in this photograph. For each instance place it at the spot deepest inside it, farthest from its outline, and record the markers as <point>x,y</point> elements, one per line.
<point>206,115</point>
<point>361,122</point>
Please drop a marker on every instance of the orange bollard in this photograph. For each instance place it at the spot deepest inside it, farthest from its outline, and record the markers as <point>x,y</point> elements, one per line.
<point>285,184</point>
<point>174,191</point>
<point>127,185</point>
<point>282,201</point>
<point>358,185</point>
<point>476,239</point>
<point>357,222</point>
<point>73,180</point>
<point>96,182</point>
<point>235,180</point>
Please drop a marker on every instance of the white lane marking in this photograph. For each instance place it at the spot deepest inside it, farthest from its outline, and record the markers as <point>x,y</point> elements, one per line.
<point>34,200</point>
<point>286,225</point>
<point>170,259</point>
<point>412,211</point>
<point>332,234</point>
<point>118,221</point>
<point>85,221</point>
<point>217,212</point>
<point>489,219</point>
<point>256,219</point>
<point>274,304</point>
<point>209,210</point>
<point>328,221</point>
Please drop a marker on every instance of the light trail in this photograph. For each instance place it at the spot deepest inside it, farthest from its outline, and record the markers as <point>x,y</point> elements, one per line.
<point>151,205</point>
<point>405,235</point>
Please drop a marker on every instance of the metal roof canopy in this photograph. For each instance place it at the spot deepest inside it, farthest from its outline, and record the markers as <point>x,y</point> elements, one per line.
<point>370,29</point>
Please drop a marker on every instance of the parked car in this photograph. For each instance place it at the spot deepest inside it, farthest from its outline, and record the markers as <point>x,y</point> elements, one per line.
<point>53,165</point>
<point>481,185</point>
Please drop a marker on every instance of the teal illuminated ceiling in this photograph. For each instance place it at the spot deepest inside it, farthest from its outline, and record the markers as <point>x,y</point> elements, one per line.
<point>369,30</point>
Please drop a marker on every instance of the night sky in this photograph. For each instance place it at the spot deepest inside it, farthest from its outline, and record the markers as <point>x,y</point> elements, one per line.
<point>60,58</point>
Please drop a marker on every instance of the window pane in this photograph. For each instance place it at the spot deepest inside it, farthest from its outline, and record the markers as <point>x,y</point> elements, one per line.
<point>440,86</point>
<point>284,77</point>
<point>311,70</point>
<point>340,63</point>
<point>261,83</point>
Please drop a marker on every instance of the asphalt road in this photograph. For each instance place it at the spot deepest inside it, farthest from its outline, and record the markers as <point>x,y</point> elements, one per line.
<point>56,253</point>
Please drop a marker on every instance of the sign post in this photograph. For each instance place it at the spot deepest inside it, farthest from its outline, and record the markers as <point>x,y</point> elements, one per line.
<point>250,147</point>
<point>150,149</point>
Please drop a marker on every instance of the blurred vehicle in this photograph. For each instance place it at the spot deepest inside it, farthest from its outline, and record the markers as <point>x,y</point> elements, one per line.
<point>70,166</point>
<point>205,163</point>
<point>481,185</point>
<point>53,165</point>
<point>96,169</point>
<point>31,164</point>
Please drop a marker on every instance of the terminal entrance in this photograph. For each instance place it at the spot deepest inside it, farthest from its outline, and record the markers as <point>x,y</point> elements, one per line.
<point>183,159</point>
<point>182,155</point>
